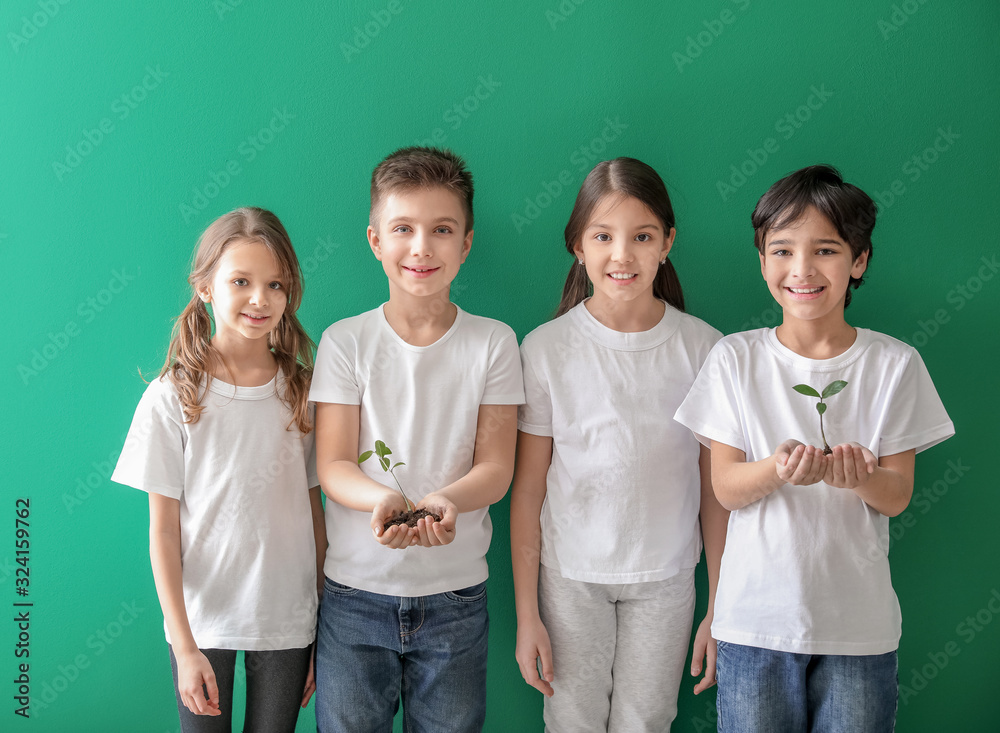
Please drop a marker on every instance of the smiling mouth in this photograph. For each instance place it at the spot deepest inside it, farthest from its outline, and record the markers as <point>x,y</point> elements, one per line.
<point>805,291</point>
<point>421,271</point>
<point>623,276</point>
<point>254,319</point>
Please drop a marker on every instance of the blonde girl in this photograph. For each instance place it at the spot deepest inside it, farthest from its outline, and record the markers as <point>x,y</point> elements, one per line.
<point>222,443</point>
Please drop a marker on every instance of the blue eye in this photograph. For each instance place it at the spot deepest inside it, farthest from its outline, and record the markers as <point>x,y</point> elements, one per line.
<point>275,285</point>
<point>443,230</point>
<point>240,281</point>
<point>402,228</point>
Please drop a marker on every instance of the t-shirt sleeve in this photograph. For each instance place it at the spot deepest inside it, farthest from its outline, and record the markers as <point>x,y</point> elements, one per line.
<point>504,384</point>
<point>334,376</point>
<point>916,418</point>
<point>711,408</point>
<point>152,459</point>
<point>535,415</point>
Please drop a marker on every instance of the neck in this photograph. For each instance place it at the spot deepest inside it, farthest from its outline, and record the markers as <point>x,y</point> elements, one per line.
<point>631,316</point>
<point>242,362</point>
<point>420,321</point>
<point>817,339</point>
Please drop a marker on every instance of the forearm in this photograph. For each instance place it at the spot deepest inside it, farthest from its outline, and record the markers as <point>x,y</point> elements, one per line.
<point>886,491</point>
<point>714,520</point>
<point>738,483</point>
<point>344,482</point>
<point>525,550</point>
<point>165,558</point>
<point>485,484</point>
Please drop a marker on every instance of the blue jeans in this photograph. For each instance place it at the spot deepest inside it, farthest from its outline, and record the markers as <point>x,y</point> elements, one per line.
<point>764,691</point>
<point>371,647</point>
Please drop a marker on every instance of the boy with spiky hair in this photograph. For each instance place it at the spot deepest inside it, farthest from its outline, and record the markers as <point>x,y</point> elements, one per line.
<point>806,619</point>
<point>404,608</point>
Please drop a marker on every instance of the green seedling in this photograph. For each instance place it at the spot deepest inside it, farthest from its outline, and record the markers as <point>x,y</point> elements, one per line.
<point>382,451</point>
<point>829,391</point>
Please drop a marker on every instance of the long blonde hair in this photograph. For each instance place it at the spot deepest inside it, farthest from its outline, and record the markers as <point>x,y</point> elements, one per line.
<point>191,351</point>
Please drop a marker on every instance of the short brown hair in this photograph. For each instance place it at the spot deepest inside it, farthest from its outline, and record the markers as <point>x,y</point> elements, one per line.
<point>418,167</point>
<point>851,211</point>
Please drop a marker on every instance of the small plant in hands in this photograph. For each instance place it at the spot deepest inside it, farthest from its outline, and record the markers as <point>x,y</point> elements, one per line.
<point>411,516</point>
<point>829,391</point>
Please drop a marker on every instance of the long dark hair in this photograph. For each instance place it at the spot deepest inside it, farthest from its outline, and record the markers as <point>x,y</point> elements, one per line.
<point>624,177</point>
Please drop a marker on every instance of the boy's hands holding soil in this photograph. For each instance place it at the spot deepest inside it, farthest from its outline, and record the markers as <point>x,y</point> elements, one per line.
<point>849,466</point>
<point>431,533</point>
<point>799,464</point>
<point>398,536</point>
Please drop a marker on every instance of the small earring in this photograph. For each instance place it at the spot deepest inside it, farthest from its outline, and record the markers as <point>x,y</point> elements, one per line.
<point>663,261</point>
<point>581,262</point>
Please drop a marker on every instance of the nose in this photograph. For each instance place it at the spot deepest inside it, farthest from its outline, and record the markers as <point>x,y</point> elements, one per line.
<point>420,245</point>
<point>803,265</point>
<point>621,250</point>
<point>258,296</point>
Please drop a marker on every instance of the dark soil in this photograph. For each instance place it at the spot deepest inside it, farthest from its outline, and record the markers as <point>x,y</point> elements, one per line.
<point>827,451</point>
<point>410,519</point>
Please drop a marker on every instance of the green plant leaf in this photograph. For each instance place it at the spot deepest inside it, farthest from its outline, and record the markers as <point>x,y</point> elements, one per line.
<point>380,448</point>
<point>833,387</point>
<point>365,456</point>
<point>397,465</point>
<point>806,390</point>
<point>821,407</point>
<point>385,463</point>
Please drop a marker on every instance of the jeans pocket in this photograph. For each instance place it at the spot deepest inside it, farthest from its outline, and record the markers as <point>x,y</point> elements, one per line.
<point>338,589</point>
<point>472,594</point>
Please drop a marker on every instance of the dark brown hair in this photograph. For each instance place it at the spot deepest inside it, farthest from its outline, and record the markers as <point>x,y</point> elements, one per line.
<point>851,211</point>
<point>621,177</point>
<point>417,167</point>
<point>191,352</point>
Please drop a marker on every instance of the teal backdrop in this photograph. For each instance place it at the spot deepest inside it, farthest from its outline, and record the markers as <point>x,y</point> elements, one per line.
<point>128,127</point>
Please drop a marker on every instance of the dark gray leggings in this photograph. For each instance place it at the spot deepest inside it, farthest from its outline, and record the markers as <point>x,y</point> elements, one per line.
<point>275,681</point>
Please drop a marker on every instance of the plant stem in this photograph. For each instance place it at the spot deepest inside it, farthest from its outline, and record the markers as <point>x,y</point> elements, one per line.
<point>826,446</point>
<point>409,506</point>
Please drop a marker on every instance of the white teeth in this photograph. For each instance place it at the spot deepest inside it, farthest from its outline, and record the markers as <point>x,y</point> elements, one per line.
<point>805,291</point>
<point>622,275</point>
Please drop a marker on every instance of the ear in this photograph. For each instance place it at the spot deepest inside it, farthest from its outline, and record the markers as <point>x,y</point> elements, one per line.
<point>467,245</point>
<point>205,294</point>
<point>860,265</point>
<point>763,269</point>
<point>668,243</point>
<point>578,251</point>
<point>374,243</point>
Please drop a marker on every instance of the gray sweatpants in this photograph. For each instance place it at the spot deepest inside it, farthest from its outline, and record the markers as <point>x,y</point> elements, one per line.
<point>618,652</point>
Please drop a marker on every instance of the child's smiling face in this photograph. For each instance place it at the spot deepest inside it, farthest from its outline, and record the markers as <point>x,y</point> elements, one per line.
<point>421,241</point>
<point>622,248</point>
<point>808,267</point>
<point>247,293</point>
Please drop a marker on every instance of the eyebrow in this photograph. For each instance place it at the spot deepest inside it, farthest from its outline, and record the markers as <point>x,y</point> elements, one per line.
<point>241,273</point>
<point>598,225</point>
<point>410,218</point>
<point>812,241</point>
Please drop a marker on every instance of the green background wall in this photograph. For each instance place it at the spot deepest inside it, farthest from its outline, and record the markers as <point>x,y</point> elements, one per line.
<point>127,128</point>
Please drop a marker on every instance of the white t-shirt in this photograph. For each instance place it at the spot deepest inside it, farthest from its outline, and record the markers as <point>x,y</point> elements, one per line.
<point>423,402</point>
<point>247,546</point>
<point>623,490</point>
<point>797,572</point>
